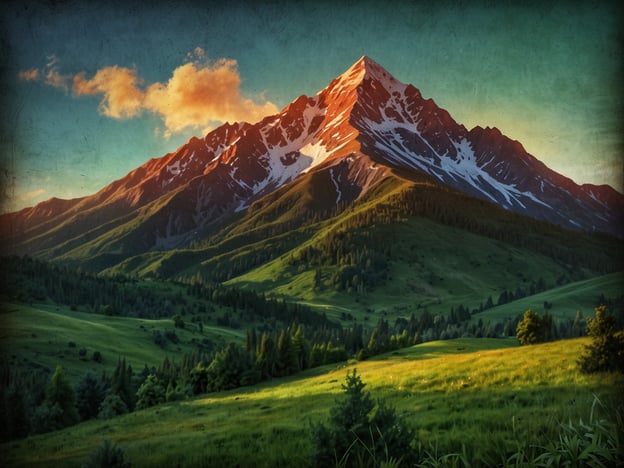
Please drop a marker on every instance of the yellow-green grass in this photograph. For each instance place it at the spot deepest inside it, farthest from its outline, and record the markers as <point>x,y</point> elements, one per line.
<point>483,394</point>
<point>41,334</point>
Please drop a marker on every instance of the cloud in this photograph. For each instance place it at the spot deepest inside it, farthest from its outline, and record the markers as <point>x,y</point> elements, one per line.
<point>53,77</point>
<point>29,75</point>
<point>198,94</point>
<point>27,196</point>
<point>121,96</point>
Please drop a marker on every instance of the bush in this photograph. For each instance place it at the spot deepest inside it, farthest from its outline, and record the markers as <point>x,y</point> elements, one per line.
<point>178,322</point>
<point>354,436</point>
<point>150,393</point>
<point>112,406</point>
<point>97,357</point>
<point>606,351</point>
<point>108,455</point>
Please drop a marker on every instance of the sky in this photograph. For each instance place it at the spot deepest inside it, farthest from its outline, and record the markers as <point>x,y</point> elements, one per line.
<point>92,90</point>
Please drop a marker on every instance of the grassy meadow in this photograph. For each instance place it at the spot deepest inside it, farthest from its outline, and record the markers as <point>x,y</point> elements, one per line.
<point>481,397</point>
<point>40,335</point>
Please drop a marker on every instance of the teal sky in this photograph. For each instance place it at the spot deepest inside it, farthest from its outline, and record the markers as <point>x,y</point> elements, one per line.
<point>90,87</point>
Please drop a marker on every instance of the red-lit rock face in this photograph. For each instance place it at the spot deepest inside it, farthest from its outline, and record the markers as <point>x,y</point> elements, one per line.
<point>363,124</point>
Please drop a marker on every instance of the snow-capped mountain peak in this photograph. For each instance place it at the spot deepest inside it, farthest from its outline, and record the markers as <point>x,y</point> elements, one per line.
<point>353,133</point>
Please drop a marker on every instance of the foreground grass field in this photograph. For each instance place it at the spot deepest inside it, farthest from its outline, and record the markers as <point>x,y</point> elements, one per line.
<point>480,396</point>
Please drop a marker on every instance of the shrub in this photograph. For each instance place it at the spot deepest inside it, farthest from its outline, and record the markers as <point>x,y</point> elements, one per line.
<point>150,393</point>
<point>112,406</point>
<point>107,455</point>
<point>178,322</point>
<point>357,436</point>
<point>97,357</point>
<point>606,351</point>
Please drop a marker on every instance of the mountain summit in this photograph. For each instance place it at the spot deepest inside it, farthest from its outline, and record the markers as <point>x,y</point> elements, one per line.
<point>364,127</point>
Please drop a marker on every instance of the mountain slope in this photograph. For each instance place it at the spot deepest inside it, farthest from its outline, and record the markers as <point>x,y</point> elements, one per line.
<point>364,127</point>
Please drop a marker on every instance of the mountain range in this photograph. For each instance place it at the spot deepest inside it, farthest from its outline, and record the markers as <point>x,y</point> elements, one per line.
<point>362,139</point>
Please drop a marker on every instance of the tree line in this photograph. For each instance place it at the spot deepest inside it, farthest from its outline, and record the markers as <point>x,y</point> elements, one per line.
<point>29,280</point>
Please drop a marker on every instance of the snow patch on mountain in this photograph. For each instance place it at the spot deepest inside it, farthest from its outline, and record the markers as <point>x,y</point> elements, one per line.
<point>316,151</point>
<point>336,186</point>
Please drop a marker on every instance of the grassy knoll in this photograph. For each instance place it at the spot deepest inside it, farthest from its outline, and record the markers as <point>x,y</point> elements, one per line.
<point>566,300</point>
<point>40,335</point>
<point>488,395</point>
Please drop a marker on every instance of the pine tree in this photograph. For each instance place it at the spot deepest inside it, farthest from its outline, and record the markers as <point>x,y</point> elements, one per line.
<point>265,361</point>
<point>301,349</point>
<point>286,357</point>
<point>121,383</point>
<point>90,393</point>
<point>354,437</point>
<point>606,351</point>
<point>60,393</point>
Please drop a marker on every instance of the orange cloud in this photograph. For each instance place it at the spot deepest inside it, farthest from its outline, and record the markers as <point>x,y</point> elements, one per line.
<point>28,75</point>
<point>197,94</point>
<point>119,86</point>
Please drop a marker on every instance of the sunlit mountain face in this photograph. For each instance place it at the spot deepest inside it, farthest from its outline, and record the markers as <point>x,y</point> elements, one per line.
<point>364,127</point>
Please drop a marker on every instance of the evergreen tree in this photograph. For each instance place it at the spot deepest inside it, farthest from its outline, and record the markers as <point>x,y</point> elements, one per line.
<point>230,368</point>
<point>286,357</point>
<point>90,393</point>
<point>606,351</point>
<point>265,361</point>
<point>150,393</point>
<point>354,437</point>
<point>60,393</point>
<point>301,349</point>
<point>14,417</point>
<point>121,383</point>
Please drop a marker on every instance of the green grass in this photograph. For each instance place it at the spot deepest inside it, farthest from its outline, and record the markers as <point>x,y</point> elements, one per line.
<point>484,394</point>
<point>40,334</point>
<point>566,300</point>
<point>430,274</point>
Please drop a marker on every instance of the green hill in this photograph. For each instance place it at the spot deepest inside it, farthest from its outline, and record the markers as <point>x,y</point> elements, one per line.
<point>488,398</point>
<point>406,246</point>
<point>563,301</point>
<point>47,335</point>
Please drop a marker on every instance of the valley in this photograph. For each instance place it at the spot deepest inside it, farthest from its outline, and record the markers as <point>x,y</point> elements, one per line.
<point>206,307</point>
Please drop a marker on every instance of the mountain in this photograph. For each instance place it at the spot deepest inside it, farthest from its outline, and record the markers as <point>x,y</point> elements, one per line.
<point>317,156</point>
